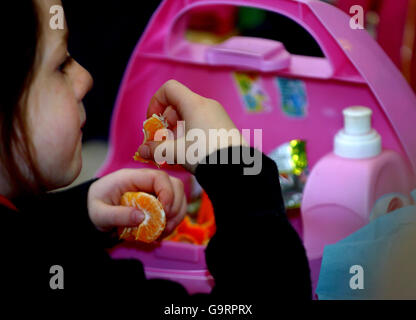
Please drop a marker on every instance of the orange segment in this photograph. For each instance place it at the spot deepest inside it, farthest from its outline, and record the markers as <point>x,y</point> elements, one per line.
<point>150,127</point>
<point>201,231</point>
<point>154,222</point>
<point>182,237</point>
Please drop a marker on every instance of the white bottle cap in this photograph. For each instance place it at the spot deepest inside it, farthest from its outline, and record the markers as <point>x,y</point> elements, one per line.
<point>357,120</point>
<point>357,140</point>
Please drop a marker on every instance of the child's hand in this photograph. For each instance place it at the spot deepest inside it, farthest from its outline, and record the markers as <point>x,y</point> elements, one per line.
<point>104,198</point>
<point>177,102</point>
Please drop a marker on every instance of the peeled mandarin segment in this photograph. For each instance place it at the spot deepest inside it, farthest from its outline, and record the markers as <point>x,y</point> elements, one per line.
<point>150,127</point>
<point>182,237</point>
<point>200,232</point>
<point>196,231</point>
<point>154,222</point>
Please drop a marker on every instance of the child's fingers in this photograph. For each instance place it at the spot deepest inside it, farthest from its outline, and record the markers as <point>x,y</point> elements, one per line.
<point>117,216</point>
<point>179,195</point>
<point>175,221</point>
<point>150,181</point>
<point>155,107</point>
<point>175,94</point>
<point>158,150</point>
<point>171,116</point>
<point>164,189</point>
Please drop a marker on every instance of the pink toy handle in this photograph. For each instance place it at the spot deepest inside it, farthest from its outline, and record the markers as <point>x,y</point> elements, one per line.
<point>252,53</point>
<point>329,26</point>
<point>296,10</point>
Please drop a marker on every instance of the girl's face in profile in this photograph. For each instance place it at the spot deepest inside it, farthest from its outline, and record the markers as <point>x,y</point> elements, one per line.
<point>55,112</point>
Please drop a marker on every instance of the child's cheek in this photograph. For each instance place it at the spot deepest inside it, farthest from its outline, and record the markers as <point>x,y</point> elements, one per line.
<point>56,135</point>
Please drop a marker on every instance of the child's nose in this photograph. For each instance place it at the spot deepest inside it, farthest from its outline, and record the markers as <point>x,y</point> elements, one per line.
<point>83,81</point>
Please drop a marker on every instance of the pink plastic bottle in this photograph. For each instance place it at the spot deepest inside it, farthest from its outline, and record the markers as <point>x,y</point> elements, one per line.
<point>344,185</point>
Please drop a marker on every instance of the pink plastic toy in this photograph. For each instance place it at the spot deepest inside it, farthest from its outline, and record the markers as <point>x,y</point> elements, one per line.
<point>302,101</point>
<point>392,18</point>
<point>251,53</point>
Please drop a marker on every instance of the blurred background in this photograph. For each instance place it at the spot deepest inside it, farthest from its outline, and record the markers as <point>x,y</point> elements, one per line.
<point>103,35</point>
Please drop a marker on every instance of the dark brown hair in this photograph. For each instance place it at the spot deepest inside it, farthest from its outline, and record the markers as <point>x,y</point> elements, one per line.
<point>19,29</point>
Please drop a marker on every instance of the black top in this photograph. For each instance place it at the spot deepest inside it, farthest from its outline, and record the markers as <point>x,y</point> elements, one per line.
<point>255,257</point>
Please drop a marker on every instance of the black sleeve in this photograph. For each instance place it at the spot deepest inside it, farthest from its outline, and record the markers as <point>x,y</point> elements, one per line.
<point>255,255</point>
<point>66,212</point>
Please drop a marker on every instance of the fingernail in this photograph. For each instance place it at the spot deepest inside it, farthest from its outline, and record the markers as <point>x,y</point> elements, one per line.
<point>144,151</point>
<point>138,217</point>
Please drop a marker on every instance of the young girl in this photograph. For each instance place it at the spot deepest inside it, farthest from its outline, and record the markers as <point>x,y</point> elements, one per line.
<point>254,255</point>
